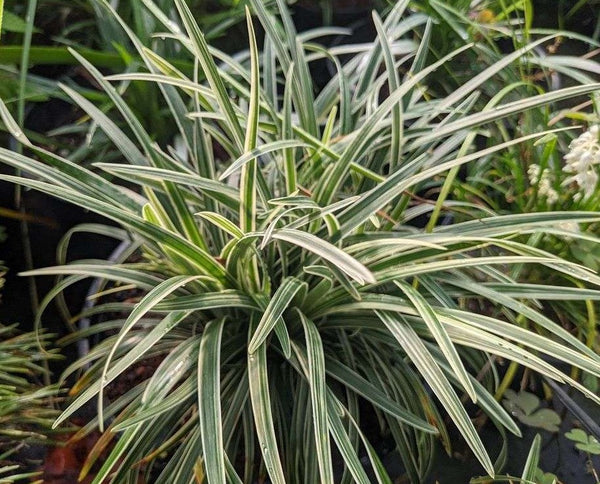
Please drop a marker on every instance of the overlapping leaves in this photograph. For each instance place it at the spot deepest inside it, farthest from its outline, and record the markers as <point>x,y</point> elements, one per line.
<point>284,288</point>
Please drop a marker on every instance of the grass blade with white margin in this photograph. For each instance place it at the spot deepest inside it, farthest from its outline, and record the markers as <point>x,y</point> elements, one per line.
<point>422,359</point>
<point>220,192</point>
<point>533,458</point>
<point>335,411</point>
<point>168,323</point>
<point>377,468</point>
<point>440,336</point>
<point>255,152</point>
<point>272,315</point>
<point>344,445</point>
<point>258,381</point>
<point>208,300</point>
<point>327,251</point>
<point>222,223</point>
<point>504,110</point>
<point>318,395</point>
<point>399,181</point>
<point>370,392</point>
<point>212,73</point>
<point>114,133</point>
<point>393,84</point>
<point>209,401</point>
<point>194,254</point>
<point>330,184</point>
<point>102,270</point>
<point>155,296</point>
<point>248,175</point>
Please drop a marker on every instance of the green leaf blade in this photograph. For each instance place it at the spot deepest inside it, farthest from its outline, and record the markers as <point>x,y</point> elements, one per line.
<point>209,402</point>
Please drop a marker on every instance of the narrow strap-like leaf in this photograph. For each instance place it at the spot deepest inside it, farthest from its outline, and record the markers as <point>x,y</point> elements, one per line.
<point>248,175</point>
<point>440,335</point>
<point>256,152</point>
<point>227,298</point>
<point>531,466</point>
<point>211,72</point>
<point>399,181</point>
<point>327,251</point>
<point>363,387</point>
<point>344,445</point>
<point>146,304</point>
<point>318,393</point>
<point>258,381</point>
<point>209,401</point>
<point>159,331</point>
<point>202,260</point>
<point>277,305</point>
<point>289,153</point>
<point>422,359</point>
<point>328,186</point>
<point>220,192</point>
<point>501,112</point>
<point>380,472</point>
<point>222,223</point>
<point>393,83</point>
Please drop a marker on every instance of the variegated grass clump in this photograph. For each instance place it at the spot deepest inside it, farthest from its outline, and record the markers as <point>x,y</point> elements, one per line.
<point>285,288</point>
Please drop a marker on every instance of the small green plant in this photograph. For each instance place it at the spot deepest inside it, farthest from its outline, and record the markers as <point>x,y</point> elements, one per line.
<point>286,286</point>
<point>526,407</point>
<point>583,441</point>
<point>588,444</point>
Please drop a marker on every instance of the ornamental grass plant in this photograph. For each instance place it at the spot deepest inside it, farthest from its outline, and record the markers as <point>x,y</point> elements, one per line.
<point>287,288</point>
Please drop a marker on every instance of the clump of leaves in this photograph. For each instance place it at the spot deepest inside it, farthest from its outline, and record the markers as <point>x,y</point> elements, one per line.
<point>286,288</point>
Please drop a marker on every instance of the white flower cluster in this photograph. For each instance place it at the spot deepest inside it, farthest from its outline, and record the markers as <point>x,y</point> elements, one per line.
<point>543,180</point>
<point>583,156</point>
